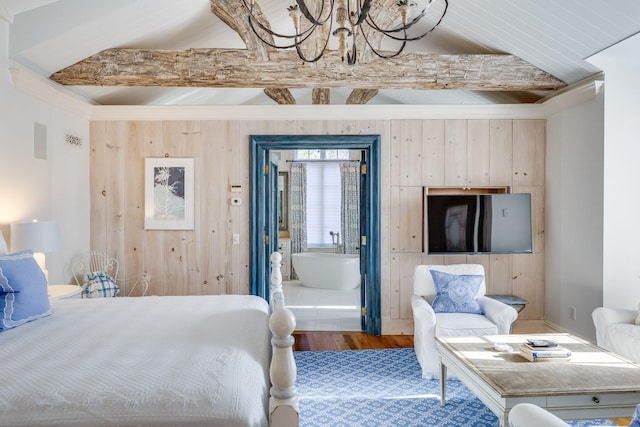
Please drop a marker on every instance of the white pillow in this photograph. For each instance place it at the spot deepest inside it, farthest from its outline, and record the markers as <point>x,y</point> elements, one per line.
<point>638,318</point>
<point>3,245</point>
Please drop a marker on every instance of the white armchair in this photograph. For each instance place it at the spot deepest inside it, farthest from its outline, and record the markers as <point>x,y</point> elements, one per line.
<point>496,319</point>
<point>529,415</point>
<point>617,331</point>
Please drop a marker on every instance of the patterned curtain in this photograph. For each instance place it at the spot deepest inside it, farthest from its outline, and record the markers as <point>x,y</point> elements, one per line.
<point>350,215</point>
<point>298,210</point>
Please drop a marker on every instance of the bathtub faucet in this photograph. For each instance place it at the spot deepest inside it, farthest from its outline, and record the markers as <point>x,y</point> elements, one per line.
<point>335,241</point>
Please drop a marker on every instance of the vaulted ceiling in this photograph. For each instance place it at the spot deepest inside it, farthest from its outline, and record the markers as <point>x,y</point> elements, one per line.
<point>191,52</point>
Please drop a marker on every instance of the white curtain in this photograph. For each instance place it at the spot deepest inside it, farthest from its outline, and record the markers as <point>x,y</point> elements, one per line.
<point>298,210</point>
<point>350,215</point>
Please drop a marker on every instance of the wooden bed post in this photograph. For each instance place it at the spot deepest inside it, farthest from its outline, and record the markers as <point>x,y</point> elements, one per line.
<point>283,403</point>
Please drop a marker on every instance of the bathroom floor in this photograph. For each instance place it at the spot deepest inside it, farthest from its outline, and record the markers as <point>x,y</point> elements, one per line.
<point>323,309</point>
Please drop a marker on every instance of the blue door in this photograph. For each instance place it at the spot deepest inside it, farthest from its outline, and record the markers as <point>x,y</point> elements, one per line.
<point>264,219</point>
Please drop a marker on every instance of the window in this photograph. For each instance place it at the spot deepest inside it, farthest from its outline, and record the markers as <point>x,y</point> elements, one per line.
<point>323,194</point>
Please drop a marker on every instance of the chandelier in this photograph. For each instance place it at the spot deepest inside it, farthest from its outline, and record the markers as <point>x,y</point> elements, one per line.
<point>353,20</point>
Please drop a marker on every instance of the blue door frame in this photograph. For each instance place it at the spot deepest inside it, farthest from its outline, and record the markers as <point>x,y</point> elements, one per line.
<point>261,215</point>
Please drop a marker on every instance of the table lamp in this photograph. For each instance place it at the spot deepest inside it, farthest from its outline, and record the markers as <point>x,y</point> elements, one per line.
<point>40,237</point>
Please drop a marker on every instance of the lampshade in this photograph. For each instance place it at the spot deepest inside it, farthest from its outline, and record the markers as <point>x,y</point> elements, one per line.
<point>40,236</point>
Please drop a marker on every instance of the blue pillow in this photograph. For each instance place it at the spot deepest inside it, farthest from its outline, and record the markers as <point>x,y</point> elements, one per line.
<point>456,293</point>
<point>23,290</point>
<point>635,421</point>
<point>99,285</point>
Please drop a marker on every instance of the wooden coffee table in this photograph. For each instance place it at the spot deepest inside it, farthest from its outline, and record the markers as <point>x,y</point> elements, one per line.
<point>593,384</point>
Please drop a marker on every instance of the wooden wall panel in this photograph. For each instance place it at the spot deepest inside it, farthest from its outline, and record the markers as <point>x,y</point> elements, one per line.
<point>478,153</point>
<point>455,153</point>
<point>500,152</point>
<point>98,186</point>
<point>402,267</point>
<point>116,139</point>
<point>500,280</point>
<point>132,263</point>
<point>528,283</point>
<point>204,261</point>
<point>433,153</point>
<point>406,219</point>
<point>528,152</point>
<point>406,152</point>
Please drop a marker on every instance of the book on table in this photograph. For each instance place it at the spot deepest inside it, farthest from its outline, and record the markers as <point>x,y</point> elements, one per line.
<point>553,353</point>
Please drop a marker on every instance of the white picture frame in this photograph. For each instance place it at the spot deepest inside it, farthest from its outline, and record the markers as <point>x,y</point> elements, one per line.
<point>169,193</point>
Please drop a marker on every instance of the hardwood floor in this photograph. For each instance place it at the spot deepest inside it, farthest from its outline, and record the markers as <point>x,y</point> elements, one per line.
<point>323,341</point>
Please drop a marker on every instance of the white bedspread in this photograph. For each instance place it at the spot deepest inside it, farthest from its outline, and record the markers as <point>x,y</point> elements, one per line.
<point>151,361</point>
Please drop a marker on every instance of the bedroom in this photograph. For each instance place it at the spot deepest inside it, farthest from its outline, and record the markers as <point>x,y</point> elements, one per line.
<point>62,181</point>
<point>584,260</point>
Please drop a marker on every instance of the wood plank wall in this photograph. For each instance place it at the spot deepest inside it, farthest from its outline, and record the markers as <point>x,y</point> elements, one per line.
<point>415,154</point>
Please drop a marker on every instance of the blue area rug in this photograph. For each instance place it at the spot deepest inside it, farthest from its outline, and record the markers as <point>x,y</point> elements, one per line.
<point>384,388</point>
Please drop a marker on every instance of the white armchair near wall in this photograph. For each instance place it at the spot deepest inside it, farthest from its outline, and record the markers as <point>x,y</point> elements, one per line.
<point>495,318</point>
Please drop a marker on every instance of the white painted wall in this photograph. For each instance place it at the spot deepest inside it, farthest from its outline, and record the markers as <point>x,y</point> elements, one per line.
<point>574,214</point>
<point>621,66</point>
<point>53,189</point>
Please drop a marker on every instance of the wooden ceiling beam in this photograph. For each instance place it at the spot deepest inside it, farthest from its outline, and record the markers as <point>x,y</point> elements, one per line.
<point>234,14</point>
<point>361,96</point>
<point>233,68</point>
<point>281,95</point>
<point>320,96</point>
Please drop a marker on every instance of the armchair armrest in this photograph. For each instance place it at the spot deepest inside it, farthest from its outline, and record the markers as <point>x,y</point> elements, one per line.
<point>603,317</point>
<point>423,311</point>
<point>424,325</point>
<point>499,313</point>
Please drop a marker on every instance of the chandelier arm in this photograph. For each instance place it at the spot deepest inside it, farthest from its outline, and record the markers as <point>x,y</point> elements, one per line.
<point>306,35</point>
<point>405,38</point>
<point>364,12</point>
<point>324,48</point>
<point>266,29</point>
<point>305,11</point>
<point>389,32</point>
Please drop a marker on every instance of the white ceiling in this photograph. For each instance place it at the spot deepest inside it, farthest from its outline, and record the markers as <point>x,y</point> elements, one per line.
<point>554,35</point>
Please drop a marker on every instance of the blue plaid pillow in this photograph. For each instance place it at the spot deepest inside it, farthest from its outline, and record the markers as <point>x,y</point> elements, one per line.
<point>99,285</point>
<point>456,293</point>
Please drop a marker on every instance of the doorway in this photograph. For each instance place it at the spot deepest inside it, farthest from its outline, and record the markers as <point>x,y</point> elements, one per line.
<point>322,280</point>
<point>264,229</point>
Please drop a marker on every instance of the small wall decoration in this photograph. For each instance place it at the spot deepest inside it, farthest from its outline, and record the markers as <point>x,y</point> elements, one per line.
<point>169,194</point>
<point>73,140</point>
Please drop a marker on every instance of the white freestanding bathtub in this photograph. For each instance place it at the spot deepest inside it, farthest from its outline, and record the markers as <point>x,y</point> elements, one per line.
<point>327,270</point>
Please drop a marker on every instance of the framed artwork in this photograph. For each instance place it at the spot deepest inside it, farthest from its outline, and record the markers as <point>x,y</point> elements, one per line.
<point>169,194</point>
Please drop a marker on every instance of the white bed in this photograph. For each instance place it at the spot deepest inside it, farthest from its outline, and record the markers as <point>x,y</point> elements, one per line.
<point>150,361</point>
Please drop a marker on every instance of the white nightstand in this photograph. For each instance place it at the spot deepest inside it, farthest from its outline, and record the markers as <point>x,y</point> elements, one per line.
<point>64,291</point>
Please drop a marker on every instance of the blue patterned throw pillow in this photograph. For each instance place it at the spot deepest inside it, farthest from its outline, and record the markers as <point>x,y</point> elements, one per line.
<point>99,285</point>
<point>635,421</point>
<point>23,290</point>
<point>456,293</point>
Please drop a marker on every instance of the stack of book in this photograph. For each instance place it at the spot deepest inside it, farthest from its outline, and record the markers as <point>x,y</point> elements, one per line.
<point>543,351</point>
